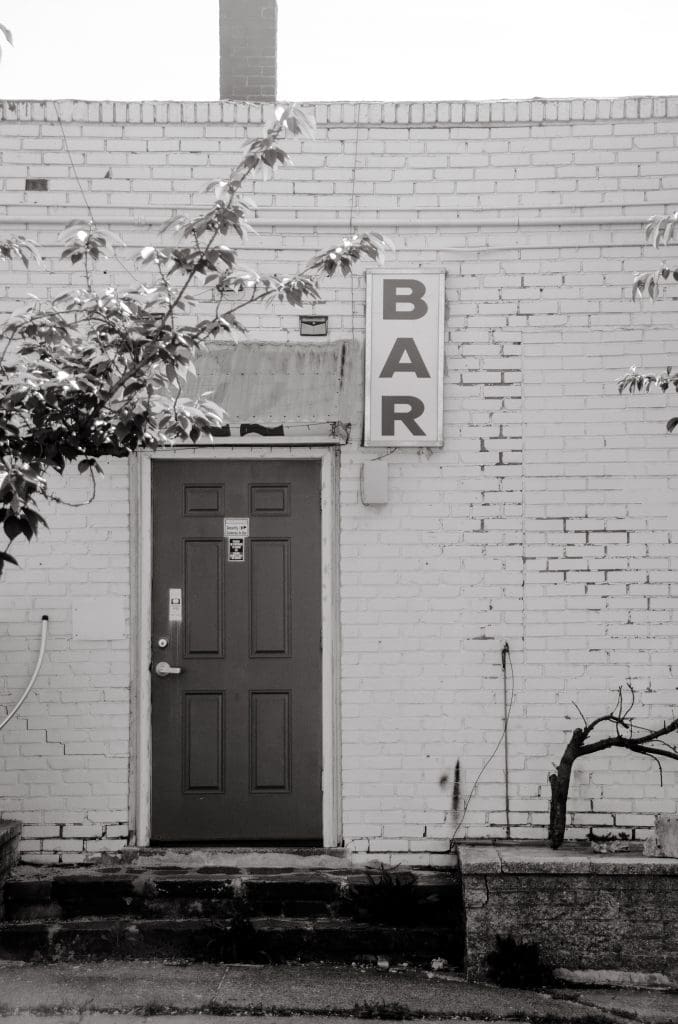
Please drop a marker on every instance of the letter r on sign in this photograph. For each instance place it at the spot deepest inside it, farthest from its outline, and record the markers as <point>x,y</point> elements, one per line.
<point>412,409</point>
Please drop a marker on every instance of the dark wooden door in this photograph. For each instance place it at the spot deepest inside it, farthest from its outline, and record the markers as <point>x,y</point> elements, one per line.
<point>237,734</point>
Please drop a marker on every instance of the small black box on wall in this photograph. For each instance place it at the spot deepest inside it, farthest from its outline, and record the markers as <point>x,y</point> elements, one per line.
<point>313,325</point>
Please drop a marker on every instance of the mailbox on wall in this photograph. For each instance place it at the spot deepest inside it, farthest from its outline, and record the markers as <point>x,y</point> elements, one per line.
<point>404,358</point>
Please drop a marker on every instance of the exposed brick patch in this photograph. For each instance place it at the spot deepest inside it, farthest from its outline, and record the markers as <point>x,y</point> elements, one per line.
<point>248,30</point>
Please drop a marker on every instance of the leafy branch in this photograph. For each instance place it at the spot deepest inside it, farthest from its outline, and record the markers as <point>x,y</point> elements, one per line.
<point>8,36</point>
<point>93,373</point>
<point>660,230</point>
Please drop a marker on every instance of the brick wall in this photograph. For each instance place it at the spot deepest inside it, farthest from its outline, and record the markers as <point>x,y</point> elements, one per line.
<point>65,757</point>
<point>545,521</point>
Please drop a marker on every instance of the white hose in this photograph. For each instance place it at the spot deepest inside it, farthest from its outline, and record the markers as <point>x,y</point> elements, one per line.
<point>43,641</point>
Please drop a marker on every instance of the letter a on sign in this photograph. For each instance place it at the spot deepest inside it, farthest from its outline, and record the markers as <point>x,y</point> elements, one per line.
<point>404,359</point>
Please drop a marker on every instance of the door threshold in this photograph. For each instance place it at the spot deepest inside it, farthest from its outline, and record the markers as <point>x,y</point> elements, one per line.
<point>196,857</point>
<point>298,846</point>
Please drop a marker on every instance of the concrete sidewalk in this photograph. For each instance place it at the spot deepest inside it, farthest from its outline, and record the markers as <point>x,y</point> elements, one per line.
<point>83,992</point>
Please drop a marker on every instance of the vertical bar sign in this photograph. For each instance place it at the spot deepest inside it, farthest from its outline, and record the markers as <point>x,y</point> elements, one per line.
<point>404,354</point>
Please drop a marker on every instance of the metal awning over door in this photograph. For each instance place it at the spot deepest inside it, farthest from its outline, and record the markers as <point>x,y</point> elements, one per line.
<point>290,384</point>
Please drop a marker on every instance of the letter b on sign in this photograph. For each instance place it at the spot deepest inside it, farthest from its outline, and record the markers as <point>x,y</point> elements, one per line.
<point>404,300</point>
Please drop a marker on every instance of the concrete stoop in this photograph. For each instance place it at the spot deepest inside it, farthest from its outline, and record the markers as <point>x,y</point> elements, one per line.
<point>230,915</point>
<point>586,912</point>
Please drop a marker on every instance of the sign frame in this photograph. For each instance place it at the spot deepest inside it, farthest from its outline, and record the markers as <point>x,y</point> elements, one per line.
<point>371,277</point>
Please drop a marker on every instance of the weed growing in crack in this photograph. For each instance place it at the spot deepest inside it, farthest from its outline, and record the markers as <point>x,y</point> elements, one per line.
<point>381,1011</point>
<point>390,897</point>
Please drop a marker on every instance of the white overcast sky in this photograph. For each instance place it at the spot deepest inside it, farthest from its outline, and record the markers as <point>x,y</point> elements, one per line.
<point>352,49</point>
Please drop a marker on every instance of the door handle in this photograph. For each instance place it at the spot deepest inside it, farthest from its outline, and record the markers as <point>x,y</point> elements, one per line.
<point>164,669</point>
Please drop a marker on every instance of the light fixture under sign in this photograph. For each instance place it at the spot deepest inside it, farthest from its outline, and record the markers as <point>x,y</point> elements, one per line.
<point>313,325</point>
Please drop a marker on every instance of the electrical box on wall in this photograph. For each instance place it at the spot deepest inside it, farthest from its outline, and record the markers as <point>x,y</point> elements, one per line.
<point>99,618</point>
<point>374,482</point>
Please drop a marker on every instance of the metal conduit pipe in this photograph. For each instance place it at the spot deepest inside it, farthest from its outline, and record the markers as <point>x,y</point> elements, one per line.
<point>41,654</point>
<point>368,219</point>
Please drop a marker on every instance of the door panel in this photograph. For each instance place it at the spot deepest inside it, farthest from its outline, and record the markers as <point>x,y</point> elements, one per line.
<point>203,587</point>
<point>269,742</point>
<point>237,735</point>
<point>269,598</point>
<point>203,742</point>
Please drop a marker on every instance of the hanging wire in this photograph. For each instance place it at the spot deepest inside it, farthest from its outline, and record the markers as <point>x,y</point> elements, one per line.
<point>351,212</point>
<point>506,657</point>
<point>85,200</point>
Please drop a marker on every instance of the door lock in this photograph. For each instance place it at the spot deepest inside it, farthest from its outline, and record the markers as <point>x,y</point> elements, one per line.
<point>164,669</point>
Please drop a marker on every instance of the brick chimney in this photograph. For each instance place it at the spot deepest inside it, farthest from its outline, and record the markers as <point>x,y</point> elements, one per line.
<point>247,39</point>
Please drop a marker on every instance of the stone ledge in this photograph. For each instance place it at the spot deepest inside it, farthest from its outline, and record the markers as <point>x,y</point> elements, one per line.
<point>404,115</point>
<point>571,859</point>
<point>585,911</point>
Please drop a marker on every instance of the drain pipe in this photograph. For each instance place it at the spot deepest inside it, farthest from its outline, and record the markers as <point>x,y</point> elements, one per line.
<point>41,654</point>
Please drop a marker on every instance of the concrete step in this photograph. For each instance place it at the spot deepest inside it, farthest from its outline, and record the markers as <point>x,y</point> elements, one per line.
<point>74,895</point>
<point>226,940</point>
<point>404,898</point>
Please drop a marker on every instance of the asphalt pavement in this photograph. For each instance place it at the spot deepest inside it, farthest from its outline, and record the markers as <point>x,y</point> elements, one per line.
<point>102,992</point>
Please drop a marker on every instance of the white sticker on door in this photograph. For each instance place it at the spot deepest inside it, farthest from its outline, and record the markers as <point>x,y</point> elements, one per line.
<point>174,604</point>
<point>237,527</point>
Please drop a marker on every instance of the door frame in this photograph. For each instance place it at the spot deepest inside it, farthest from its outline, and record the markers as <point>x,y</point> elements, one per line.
<point>141,551</point>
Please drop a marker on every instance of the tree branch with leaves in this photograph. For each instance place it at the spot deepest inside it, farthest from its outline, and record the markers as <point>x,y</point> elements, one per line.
<point>660,230</point>
<point>93,373</point>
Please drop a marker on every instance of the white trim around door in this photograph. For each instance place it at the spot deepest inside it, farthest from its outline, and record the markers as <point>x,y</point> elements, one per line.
<point>141,562</point>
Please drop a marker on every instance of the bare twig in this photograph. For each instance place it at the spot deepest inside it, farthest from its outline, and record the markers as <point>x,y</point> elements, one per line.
<point>650,743</point>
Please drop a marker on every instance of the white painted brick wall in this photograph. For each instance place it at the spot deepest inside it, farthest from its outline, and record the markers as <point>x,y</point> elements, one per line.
<point>65,756</point>
<point>547,520</point>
